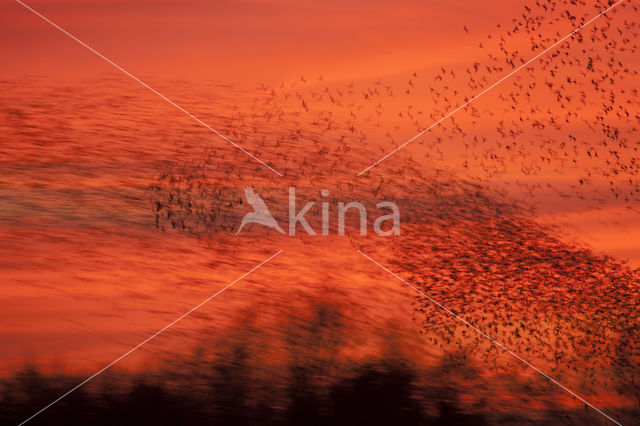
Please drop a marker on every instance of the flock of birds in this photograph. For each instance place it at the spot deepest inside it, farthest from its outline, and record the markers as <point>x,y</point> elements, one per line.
<point>567,122</point>
<point>573,112</point>
<point>573,313</point>
<point>573,115</point>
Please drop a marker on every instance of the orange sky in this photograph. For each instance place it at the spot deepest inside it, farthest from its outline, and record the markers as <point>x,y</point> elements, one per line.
<point>250,42</point>
<point>84,262</point>
<point>246,41</point>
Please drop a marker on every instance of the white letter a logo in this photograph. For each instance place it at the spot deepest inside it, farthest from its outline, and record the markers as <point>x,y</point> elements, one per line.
<point>260,213</point>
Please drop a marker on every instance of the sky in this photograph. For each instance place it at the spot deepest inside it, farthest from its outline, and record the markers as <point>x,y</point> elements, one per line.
<point>244,41</point>
<point>250,43</point>
<point>319,89</point>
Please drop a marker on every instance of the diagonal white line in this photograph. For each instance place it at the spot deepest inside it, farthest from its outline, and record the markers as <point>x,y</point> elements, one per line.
<point>490,87</point>
<point>495,342</point>
<point>128,74</point>
<point>151,337</point>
